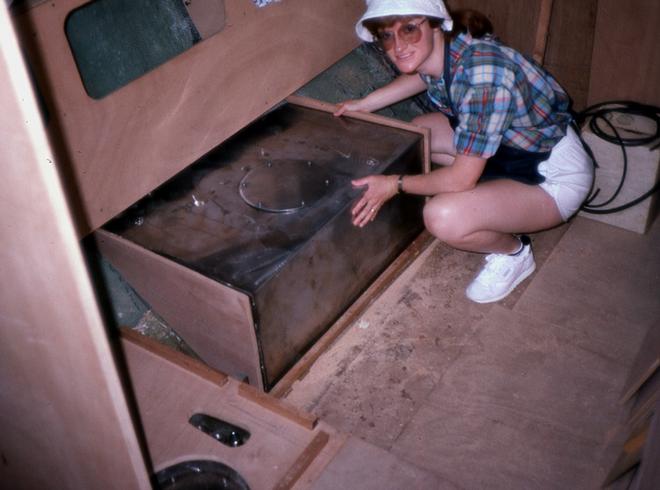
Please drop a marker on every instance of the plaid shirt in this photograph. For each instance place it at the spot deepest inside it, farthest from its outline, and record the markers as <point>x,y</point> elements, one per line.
<point>499,97</point>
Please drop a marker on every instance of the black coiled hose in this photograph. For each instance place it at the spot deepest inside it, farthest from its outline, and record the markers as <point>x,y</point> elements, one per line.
<point>597,115</point>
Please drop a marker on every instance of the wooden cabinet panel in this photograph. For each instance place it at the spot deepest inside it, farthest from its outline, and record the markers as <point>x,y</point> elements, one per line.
<point>626,63</point>
<point>124,145</point>
<point>64,418</point>
<point>570,46</point>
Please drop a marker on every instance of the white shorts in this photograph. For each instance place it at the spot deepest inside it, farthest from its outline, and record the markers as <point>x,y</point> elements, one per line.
<point>569,174</point>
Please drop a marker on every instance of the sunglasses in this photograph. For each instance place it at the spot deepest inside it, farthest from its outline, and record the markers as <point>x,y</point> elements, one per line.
<point>409,33</point>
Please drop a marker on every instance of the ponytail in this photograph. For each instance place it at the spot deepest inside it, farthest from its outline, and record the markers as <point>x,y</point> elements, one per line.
<point>470,21</point>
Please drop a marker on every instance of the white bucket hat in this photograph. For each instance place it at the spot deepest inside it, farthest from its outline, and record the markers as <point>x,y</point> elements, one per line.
<point>384,8</point>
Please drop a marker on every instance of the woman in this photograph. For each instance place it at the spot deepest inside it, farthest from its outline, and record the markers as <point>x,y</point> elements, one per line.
<point>512,162</point>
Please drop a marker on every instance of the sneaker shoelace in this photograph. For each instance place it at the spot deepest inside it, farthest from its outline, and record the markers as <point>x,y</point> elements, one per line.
<point>496,264</point>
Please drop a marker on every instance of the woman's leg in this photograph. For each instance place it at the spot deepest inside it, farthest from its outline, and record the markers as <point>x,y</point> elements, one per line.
<point>442,137</point>
<point>485,218</point>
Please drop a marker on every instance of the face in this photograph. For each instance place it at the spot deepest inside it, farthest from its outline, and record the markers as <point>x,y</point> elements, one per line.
<point>409,43</point>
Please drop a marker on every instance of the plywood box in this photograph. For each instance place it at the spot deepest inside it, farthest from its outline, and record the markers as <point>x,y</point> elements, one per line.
<point>274,446</point>
<point>273,442</point>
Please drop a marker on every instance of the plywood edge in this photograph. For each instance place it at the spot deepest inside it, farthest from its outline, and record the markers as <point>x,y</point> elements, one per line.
<point>318,105</point>
<point>638,378</point>
<point>315,470</point>
<point>645,399</point>
<point>305,459</point>
<point>646,364</point>
<point>630,455</point>
<point>542,31</point>
<point>649,471</point>
<point>302,418</point>
<point>169,355</point>
<point>367,298</point>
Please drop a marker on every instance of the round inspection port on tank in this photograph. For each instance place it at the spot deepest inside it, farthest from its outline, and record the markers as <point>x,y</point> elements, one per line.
<point>284,186</point>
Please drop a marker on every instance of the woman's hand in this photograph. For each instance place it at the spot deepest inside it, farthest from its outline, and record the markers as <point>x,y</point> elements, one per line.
<point>400,88</point>
<point>380,188</point>
<point>350,105</point>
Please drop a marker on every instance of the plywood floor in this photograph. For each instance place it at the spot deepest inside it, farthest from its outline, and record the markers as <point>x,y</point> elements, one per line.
<point>519,394</point>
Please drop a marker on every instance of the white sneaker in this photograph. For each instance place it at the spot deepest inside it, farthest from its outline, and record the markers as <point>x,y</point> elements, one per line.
<point>501,274</point>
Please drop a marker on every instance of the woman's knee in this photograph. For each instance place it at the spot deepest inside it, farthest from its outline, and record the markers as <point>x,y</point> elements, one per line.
<point>443,220</point>
<point>442,136</point>
<point>429,120</point>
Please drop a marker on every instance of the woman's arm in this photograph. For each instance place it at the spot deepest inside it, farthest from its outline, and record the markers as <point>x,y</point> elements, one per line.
<point>400,88</point>
<point>462,175</point>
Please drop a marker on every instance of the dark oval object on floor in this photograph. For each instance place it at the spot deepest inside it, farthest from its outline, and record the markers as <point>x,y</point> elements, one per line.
<point>200,475</point>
